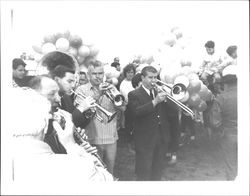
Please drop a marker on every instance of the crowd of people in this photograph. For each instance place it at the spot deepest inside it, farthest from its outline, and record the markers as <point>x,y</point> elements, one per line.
<point>74,116</point>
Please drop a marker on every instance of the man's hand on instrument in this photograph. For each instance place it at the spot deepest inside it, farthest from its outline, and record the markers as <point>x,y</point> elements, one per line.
<point>105,86</point>
<point>88,148</point>
<point>65,135</point>
<point>160,97</point>
<point>86,104</point>
<point>82,133</point>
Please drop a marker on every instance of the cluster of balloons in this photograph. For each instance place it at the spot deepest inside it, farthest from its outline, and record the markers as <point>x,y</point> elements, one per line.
<point>69,43</point>
<point>197,93</point>
<point>173,47</point>
<point>111,74</point>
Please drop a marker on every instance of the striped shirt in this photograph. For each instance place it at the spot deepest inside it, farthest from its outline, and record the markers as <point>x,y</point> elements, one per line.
<point>97,132</point>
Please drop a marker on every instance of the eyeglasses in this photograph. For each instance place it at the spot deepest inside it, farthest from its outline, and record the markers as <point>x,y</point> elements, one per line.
<point>82,72</point>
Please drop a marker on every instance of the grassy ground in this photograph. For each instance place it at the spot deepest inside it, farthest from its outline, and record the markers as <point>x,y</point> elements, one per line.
<point>197,161</point>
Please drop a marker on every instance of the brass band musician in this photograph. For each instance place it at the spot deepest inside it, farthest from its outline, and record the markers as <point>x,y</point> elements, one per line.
<point>103,135</point>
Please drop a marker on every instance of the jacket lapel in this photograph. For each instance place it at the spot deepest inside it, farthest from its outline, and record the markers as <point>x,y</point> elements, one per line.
<point>144,94</point>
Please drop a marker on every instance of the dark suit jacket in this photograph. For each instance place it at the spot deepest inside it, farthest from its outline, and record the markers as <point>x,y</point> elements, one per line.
<point>150,123</point>
<point>79,119</point>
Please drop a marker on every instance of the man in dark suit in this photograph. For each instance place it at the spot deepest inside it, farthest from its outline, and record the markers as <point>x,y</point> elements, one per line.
<point>150,126</point>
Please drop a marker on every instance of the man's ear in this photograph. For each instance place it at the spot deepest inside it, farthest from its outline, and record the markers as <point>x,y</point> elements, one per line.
<point>57,79</point>
<point>88,75</point>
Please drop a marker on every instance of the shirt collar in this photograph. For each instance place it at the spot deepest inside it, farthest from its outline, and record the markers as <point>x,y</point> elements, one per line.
<point>147,90</point>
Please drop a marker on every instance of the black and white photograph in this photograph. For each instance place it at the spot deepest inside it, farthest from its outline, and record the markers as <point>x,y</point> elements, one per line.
<point>124,97</point>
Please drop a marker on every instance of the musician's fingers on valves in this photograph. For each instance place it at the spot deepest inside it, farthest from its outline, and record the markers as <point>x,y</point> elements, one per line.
<point>161,96</point>
<point>82,133</point>
<point>105,86</point>
<point>85,104</point>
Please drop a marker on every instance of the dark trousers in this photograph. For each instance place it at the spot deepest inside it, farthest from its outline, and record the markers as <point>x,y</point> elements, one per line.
<point>128,126</point>
<point>174,133</point>
<point>149,161</point>
<point>187,122</point>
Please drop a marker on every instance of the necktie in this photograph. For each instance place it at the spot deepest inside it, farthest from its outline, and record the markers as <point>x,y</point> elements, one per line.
<point>151,94</point>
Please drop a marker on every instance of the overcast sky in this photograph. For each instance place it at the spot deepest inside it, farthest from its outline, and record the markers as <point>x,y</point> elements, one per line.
<point>124,28</point>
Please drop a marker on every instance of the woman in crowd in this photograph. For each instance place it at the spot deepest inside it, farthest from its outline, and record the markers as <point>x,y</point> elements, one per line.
<point>125,87</point>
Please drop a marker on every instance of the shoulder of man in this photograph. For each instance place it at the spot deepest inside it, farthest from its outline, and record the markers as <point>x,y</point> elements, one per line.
<point>135,92</point>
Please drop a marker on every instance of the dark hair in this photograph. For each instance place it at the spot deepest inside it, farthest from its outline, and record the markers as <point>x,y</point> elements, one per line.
<point>147,69</point>
<point>35,82</point>
<point>16,62</point>
<point>128,68</point>
<point>61,70</point>
<point>136,80</point>
<point>115,64</point>
<point>55,58</point>
<point>210,44</point>
<point>231,49</point>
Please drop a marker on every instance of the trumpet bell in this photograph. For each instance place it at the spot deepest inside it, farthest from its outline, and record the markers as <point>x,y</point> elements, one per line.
<point>115,96</point>
<point>118,100</point>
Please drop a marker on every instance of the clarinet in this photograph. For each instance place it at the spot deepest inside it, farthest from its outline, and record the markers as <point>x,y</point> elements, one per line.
<point>60,119</point>
<point>77,134</point>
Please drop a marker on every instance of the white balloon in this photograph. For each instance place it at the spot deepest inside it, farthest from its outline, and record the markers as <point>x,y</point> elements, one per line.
<point>37,48</point>
<point>80,59</point>
<point>114,81</point>
<point>169,39</point>
<point>140,67</point>
<point>93,50</point>
<point>73,51</point>
<point>84,51</point>
<point>111,72</point>
<point>62,44</point>
<point>182,79</point>
<point>48,47</point>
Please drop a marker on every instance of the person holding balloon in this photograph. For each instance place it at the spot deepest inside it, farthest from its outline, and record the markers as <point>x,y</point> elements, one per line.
<point>209,70</point>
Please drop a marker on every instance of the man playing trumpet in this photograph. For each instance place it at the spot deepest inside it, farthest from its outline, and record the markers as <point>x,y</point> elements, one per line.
<point>49,88</point>
<point>101,134</point>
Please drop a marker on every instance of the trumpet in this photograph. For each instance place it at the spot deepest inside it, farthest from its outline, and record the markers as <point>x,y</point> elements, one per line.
<point>175,94</point>
<point>113,94</point>
<point>109,115</point>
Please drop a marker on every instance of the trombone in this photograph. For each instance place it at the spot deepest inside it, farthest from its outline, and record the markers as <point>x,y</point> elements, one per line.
<point>177,92</point>
<point>109,115</point>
